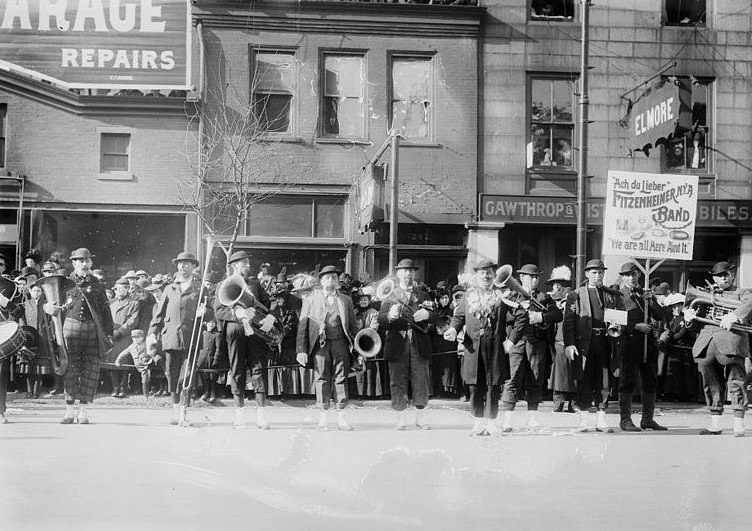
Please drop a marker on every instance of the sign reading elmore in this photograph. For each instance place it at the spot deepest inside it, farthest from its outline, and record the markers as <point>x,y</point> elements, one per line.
<point>98,43</point>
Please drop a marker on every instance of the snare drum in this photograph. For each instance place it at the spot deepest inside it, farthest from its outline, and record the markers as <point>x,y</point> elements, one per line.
<point>11,339</point>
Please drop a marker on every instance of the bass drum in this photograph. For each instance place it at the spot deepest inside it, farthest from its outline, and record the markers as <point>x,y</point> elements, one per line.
<point>11,339</point>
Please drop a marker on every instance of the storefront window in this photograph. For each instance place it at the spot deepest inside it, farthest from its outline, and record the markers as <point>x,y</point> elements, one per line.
<point>299,217</point>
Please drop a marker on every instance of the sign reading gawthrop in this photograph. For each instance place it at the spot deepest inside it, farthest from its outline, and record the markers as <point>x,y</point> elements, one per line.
<point>98,43</point>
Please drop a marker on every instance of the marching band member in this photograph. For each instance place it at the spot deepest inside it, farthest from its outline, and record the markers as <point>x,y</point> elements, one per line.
<point>633,359</point>
<point>562,382</point>
<point>586,342</point>
<point>87,326</point>
<point>527,360</point>
<point>483,313</point>
<point>719,349</point>
<point>172,326</point>
<point>325,331</point>
<point>9,310</point>
<point>407,347</point>
<point>246,352</point>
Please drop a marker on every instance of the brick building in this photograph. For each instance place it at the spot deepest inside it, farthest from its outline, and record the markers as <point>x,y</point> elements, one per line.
<point>528,133</point>
<point>332,78</point>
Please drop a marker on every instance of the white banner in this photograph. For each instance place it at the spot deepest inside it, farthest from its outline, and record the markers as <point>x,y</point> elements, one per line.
<point>650,215</point>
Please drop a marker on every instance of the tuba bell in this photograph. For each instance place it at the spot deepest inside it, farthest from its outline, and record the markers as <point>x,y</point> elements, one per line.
<point>54,288</point>
<point>504,279</point>
<point>614,330</point>
<point>232,293</point>
<point>367,343</point>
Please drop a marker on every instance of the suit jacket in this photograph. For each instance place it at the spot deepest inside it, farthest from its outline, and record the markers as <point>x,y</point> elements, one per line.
<point>313,316</point>
<point>578,316</point>
<point>396,331</point>
<point>728,342</point>
<point>551,315</point>
<point>225,314</point>
<point>175,314</point>
<point>494,332</point>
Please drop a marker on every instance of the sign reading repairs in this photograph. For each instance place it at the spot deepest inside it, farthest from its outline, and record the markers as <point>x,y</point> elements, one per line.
<point>650,215</point>
<point>98,43</point>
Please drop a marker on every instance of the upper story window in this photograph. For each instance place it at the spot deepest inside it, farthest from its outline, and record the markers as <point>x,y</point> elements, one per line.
<point>342,113</point>
<point>3,128</point>
<point>685,12</point>
<point>412,96</point>
<point>688,151</point>
<point>551,124</point>
<point>115,152</point>
<point>273,86</point>
<point>299,217</point>
<point>552,10</point>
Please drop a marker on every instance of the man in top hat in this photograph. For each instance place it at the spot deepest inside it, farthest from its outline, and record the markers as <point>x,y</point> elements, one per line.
<point>483,313</point>
<point>527,359</point>
<point>326,329</point>
<point>173,327</point>
<point>87,329</point>
<point>407,348</point>
<point>721,350</point>
<point>586,343</point>
<point>562,384</point>
<point>245,352</point>
<point>633,358</point>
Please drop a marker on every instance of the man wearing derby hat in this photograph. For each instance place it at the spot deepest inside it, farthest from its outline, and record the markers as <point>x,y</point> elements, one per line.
<point>527,359</point>
<point>124,312</point>
<point>246,352</point>
<point>586,343</point>
<point>407,348</point>
<point>326,329</point>
<point>720,350</point>
<point>87,331</point>
<point>483,314</point>
<point>172,327</point>
<point>633,358</point>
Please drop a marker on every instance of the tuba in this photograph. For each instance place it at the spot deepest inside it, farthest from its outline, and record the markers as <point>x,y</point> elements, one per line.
<point>54,288</point>
<point>232,293</point>
<point>367,343</point>
<point>714,308</point>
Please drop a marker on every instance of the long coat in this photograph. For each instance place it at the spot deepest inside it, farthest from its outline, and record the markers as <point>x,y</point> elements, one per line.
<point>486,338</point>
<point>578,316</point>
<point>312,318</point>
<point>395,331</point>
<point>728,342</point>
<point>174,316</point>
<point>124,319</point>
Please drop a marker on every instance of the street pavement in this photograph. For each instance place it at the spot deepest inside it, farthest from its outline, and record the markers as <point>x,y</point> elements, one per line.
<point>130,469</point>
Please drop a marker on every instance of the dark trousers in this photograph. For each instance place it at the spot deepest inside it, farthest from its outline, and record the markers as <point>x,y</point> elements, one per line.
<point>246,353</point>
<point>412,371</point>
<point>331,365</point>
<point>4,378</point>
<point>712,367</point>
<point>633,362</point>
<point>530,367</point>
<point>484,396</point>
<point>593,387</point>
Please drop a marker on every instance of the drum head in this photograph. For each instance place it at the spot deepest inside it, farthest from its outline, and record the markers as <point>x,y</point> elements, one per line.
<point>7,330</point>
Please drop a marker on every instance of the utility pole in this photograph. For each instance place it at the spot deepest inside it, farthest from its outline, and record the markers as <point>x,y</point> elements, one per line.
<point>394,210</point>
<point>583,148</point>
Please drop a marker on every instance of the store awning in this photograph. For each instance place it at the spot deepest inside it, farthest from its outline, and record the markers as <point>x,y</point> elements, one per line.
<point>657,117</point>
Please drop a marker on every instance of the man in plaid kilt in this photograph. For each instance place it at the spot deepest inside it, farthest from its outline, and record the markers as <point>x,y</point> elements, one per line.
<point>87,331</point>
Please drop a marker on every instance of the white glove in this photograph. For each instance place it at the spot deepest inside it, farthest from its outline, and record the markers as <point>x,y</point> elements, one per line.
<point>151,340</point>
<point>267,323</point>
<point>421,315</point>
<point>689,314</point>
<point>244,313</point>
<point>394,312</point>
<point>201,309</point>
<point>728,320</point>
<point>3,301</point>
<point>570,352</point>
<point>508,346</point>
<point>50,309</point>
<point>535,317</point>
<point>118,363</point>
<point>302,358</point>
<point>450,334</point>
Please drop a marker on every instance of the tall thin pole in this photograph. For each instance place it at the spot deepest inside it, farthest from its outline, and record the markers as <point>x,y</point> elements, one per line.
<point>394,206</point>
<point>583,147</point>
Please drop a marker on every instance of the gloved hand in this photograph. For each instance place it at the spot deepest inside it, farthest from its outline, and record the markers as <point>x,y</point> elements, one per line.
<point>394,312</point>
<point>267,323</point>
<point>570,352</point>
<point>689,314</point>
<point>421,315</point>
<point>535,317</point>
<point>302,358</point>
<point>450,334</point>
<point>50,309</point>
<point>728,320</point>
<point>508,346</point>
<point>643,328</point>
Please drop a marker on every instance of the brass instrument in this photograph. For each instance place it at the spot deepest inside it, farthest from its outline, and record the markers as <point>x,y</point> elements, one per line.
<point>614,330</point>
<point>504,279</point>
<point>233,293</point>
<point>367,343</point>
<point>716,307</point>
<point>385,291</point>
<point>54,289</point>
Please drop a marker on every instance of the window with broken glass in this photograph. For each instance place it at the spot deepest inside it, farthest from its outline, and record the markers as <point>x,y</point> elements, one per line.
<point>273,90</point>
<point>689,13</point>
<point>688,151</point>
<point>342,111</point>
<point>412,96</point>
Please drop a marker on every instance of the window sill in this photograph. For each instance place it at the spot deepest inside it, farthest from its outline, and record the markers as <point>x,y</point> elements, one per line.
<point>413,143</point>
<point>115,176</point>
<point>548,20</point>
<point>283,139</point>
<point>343,141</point>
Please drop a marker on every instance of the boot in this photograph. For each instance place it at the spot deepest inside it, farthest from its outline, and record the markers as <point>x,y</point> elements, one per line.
<point>586,422</point>
<point>401,421</point>
<point>648,410</point>
<point>323,423</point>
<point>69,415</point>
<point>715,426</point>
<point>507,425</point>
<point>625,413</point>
<point>239,423</point>
<point>83,414</point>
<point>212,391</point>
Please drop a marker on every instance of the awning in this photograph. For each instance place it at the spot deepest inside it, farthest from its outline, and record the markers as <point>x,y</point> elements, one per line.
<point>658,117</point>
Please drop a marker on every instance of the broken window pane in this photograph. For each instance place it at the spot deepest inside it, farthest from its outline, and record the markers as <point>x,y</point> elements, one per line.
<point>273,89</point>
<point>343,96</point>
<point>685,13</point>
<point>552,10</point>
<point>412,96</point>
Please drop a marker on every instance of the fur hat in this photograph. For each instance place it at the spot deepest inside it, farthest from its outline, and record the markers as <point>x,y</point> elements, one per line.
<point>560,274</point>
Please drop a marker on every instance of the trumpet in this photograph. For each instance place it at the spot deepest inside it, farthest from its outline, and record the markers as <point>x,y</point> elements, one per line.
<point>614,330</point>
<point>233,293</point>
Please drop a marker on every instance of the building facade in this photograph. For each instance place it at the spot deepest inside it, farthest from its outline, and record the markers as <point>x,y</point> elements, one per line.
<point>529,132</point>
